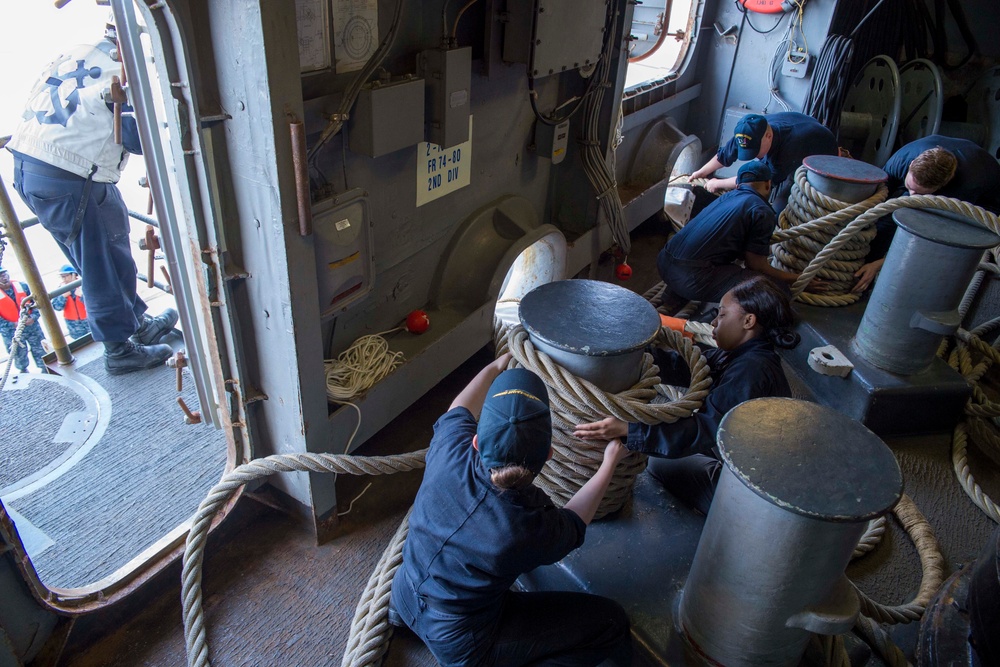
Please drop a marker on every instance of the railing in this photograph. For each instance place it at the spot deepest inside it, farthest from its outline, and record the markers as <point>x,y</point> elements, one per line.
<point>13,233</point>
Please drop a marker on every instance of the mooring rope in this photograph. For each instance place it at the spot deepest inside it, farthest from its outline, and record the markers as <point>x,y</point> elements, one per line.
<point>370,629</point>
<point>195,639</point>
<point>873,535</point>
<point>575,401</point>
<point>861,226</point>
<point>931,563</point>
<point>819,234</point>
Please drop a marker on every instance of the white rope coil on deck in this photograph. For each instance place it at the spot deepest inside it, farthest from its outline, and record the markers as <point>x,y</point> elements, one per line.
<point>195,639</point>
<point>358,368</point>
<point>575,401</point>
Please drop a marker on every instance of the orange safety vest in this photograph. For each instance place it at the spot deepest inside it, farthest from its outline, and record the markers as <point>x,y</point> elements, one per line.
<point>10,309</point>
<point>75,308</point>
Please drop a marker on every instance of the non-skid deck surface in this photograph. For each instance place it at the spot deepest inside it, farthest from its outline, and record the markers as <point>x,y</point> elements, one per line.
<point>145,475</point>
<point>32,411</point>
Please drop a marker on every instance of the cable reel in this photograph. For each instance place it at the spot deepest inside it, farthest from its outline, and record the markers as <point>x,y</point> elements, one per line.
<point>870,119</point>
<point>983,124</point>
<point>922,101</point>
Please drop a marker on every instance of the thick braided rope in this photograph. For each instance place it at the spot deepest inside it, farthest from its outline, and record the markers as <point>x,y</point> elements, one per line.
<point>873,535</point>
<point>819,236</point>
<point>931,564</point>
<point>370,629</point>
<point>576,401</point>
<point>980,411</point>
<point>960,463</point>
<point>870,217</point>
<point>194,548</point>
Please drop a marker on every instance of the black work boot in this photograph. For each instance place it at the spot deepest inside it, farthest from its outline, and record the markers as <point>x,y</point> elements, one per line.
<point>153,329</point>
<point>127,357</point>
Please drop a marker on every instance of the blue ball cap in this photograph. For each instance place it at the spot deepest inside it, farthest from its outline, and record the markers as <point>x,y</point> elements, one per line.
<point>66,268</point>
<point>753,171</point>
<point>749,131</point>
<point>515,426</point>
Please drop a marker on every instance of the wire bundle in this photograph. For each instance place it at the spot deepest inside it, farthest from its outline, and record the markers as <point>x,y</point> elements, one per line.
<point>359,367</point>
<point>598,171</point>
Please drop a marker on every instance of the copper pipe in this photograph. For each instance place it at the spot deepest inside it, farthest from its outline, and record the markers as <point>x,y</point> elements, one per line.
<point>190,417</point>
<point>150,255</point>
<point>301,163</point>
<point>19,245</point>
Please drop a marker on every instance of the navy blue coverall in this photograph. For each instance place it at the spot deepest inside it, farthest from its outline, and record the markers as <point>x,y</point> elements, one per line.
<point>688,465</point>
<point>697,262</point>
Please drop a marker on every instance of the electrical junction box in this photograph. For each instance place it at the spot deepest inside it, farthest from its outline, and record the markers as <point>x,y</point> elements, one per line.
<point>387,117</point>
<point>448,73</point>
<point>796,65</point>
<point>342,230</point>
<point>551,140</point>
<point>561,35</point>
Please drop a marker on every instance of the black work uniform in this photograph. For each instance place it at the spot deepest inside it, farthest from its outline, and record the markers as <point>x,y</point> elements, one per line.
<point>976,181</point>
<point>697,262</point>
<point>795,137</point>
<point>468,542</point>
<point>688,463</point>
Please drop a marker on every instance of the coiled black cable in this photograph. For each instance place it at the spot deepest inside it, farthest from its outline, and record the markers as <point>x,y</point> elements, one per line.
<point>830,80</point>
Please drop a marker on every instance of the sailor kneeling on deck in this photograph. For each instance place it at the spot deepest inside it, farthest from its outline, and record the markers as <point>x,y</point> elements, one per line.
<point>697,263</point>
<point>478,524</point>
<point>753,319</point>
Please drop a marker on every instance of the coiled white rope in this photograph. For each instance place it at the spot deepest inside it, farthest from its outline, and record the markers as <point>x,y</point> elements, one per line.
<point>358,368</point>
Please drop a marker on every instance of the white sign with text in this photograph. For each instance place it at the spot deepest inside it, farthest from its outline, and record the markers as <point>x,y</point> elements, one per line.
<point>442,171</point>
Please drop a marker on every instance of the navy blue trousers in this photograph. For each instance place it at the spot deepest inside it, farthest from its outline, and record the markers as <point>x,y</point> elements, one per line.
<point>100,253</point>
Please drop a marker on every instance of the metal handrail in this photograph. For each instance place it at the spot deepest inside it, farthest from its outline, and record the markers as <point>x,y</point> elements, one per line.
<point>141,217</point>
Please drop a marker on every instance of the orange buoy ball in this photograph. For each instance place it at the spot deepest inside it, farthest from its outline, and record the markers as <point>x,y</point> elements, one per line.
<point>417,322</point>
<point>623,272</point>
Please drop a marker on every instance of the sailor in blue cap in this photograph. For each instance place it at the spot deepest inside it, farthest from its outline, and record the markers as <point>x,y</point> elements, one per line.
<point>478,523</point>
<point>697,263</point>
<point>12,295</point>
<point>71,304</point>
<point>780,140</point>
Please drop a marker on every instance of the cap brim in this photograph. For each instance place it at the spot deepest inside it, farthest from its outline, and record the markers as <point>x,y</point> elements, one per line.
<point>746,153</point>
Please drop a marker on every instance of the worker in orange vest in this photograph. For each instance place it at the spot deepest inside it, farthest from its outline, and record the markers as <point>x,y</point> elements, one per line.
<point>12,294</point>
<point>72,305</point>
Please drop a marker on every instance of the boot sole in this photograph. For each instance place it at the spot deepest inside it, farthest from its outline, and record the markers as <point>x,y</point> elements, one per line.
<point>126,371</point>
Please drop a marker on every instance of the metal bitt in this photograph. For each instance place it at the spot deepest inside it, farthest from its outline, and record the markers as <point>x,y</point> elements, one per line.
<point>915,301</point>
<point>595,330</point>
<point>800,482</point>
<point>842,178</point>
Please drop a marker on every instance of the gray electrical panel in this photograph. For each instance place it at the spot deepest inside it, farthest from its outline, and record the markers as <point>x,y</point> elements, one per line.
<point>387,117</point>
<point>344,261</point>
<point>562,35</point>
<point>448,73</point>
